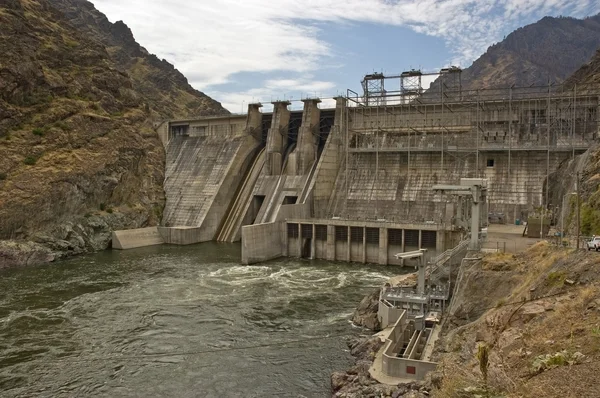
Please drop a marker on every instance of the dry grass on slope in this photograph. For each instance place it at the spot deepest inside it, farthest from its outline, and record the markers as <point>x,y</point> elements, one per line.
<point>535,333</point>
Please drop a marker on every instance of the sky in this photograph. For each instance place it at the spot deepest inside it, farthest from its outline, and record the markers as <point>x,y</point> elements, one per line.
<point>242,51</point>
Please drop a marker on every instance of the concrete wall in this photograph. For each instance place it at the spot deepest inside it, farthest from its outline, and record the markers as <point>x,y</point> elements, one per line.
<point>356,241</point>
<point>388,315</point>
<point>133,238</point>
<point>398,367</point>
<point>182,235</point>
<point>263,242</point>
<point>298,211</point>
<point>402,189</point>
<point>328,167</point>
<point>396,156</point>
<point>203,174</point>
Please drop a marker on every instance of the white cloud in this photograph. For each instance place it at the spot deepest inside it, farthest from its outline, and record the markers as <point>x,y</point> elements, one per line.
<point>278,89</point>
<point>209,42</point>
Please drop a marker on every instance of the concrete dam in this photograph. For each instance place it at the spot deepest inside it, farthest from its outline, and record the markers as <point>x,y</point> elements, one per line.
<point>355,183</point>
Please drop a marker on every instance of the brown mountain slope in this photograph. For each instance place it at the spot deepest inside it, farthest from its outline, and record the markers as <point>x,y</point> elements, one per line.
<point>78,153</point>
<point>550,49</point>
<point>588,74</point>
<point>163,86</point>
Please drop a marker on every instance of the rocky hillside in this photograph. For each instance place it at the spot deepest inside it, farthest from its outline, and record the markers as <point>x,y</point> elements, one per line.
<point>162,86</point>
<point>536,314</point>
<point>550,49</point>
<point>588,74</point>
<point>563,181</point>
<point>79,155</point>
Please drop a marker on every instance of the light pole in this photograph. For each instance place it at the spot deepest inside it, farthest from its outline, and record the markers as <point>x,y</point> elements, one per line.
<point>562,215</point>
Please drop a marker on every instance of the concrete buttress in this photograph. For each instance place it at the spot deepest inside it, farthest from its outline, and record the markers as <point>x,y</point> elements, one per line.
<point>277,138</point>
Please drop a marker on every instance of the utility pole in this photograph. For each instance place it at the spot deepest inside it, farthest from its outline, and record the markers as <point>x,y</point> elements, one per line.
<point>578,212</point>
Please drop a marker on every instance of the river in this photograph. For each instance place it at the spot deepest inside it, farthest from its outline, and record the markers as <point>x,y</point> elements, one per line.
<point>178,322</point>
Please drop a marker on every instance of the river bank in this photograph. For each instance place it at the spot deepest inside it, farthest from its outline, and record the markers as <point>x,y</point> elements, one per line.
<point>357,382</point>
<point>536,314</point>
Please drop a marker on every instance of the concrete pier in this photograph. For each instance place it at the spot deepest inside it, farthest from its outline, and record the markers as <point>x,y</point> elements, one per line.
<point>306,149</point>
<point>277,138</point>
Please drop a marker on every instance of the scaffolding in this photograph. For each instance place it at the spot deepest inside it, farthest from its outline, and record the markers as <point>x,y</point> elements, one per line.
<point>392,136</point>
<point>406,87</point>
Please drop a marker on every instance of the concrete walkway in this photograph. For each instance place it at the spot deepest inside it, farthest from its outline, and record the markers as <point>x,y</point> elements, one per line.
<point>509,236</point>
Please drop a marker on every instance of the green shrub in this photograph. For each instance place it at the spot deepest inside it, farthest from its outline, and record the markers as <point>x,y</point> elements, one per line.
<point>556,278</point>
<point>102,206</point>
<point>2,176</point>
<point>30,160</point>
<point>38,131</point>
<point>109,210</point>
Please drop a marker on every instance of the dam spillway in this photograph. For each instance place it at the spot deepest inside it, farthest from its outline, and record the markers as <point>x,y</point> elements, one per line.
<point>366,164</point>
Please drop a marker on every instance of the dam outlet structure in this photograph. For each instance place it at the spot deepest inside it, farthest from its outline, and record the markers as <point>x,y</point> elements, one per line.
<point>356,182</point>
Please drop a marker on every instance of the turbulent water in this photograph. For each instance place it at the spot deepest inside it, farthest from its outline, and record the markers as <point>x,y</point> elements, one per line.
<point>177,322</point>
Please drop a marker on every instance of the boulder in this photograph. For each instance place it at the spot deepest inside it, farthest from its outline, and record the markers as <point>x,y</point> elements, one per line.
<point>366,313</point>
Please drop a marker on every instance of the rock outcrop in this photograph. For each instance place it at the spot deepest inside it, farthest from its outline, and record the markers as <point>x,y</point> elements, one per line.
<point>587,165</point>
<point>535,313</point>
<point>366,313</point>
<point>79,155</point>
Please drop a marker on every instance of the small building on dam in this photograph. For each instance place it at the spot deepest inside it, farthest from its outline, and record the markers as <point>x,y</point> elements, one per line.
<point>355,182</point>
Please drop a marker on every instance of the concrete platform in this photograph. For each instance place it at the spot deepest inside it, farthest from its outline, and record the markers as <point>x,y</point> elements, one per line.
<point>133,238</point>
<point>509,236</point>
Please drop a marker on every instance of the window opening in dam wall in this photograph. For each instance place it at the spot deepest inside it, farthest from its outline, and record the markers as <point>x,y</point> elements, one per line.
<point>373,236</point>
<point>290,200</point>
<point>395,237</point>
<point>321,232</point>
<point>341,234</point>
<point>307,231</point>
<point>429,239</point>
<point>356,234</point>
<point>411,237</point>
<point>257,203</point>
<point>292,230</point>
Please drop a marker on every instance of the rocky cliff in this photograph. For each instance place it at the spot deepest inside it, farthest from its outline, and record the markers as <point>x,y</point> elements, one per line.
<point>588,74</point>
<point>563,181</point>
<point>548,50</point>
<point>79,156</point>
